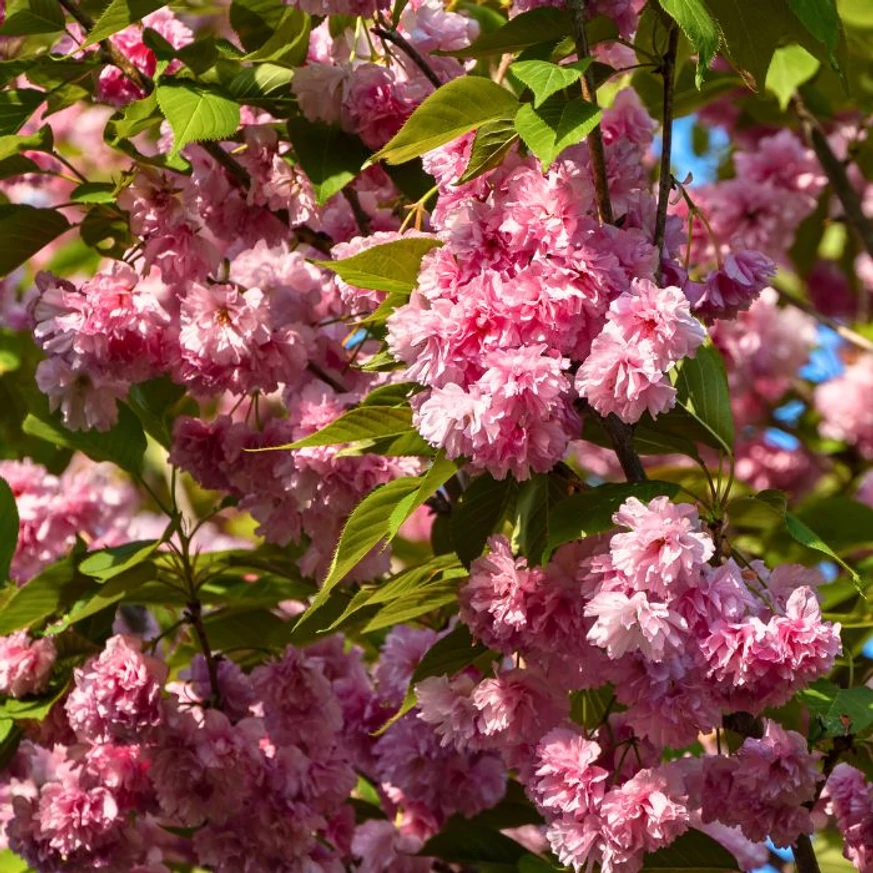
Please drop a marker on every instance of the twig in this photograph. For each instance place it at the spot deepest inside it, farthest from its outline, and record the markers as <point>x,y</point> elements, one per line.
<point>589,92</point>
<point>389,34</point>
<point>194,616</point>
<point>845,332</point>
<point>361,217</point>
<point>665,180</point>
<point>322,374</point>
<point>621,436</point>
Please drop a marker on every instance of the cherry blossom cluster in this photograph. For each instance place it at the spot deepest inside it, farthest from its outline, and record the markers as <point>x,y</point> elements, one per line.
<point>87,501</point>
<point>527,286</point>
<point>682,642</point>
<point>258,768</point>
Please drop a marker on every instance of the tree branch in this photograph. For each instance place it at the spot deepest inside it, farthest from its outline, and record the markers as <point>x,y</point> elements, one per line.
<point>668,70</point>
<point>589,92</point>
<point>392,36</point>
<point>621,436</point>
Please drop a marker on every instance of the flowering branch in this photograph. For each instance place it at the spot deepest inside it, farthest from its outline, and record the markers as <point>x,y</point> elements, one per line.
<point>846,333</point>
<point>589,92</point>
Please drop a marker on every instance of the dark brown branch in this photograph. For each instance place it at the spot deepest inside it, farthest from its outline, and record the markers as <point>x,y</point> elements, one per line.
<point>194,615</point>
<point>361,217</point>
<point>589,92</point>
<point>668,71</point>
<point>804,856</point>
<point>322,374</point>
<point>621,436</point>
<point>835,170</point>
<point>392,36</point>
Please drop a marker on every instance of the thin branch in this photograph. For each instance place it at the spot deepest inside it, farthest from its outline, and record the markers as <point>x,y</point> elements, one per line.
<point>621,436</point>
<point>322,374</point>
<point>589,92</point>
<point>194,616</point>
<point>665,179</point>
<point>835,170</point>
<point>389,34</point>
<point>845,332</point>
<point>361,217</point>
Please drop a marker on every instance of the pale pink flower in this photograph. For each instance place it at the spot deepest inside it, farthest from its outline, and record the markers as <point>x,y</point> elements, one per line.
<point>25,664</point>
<point>623,379</point>
<point>117,694</point>
<point>495,601</point>
<point>565,777</point>
<point>664,548</point>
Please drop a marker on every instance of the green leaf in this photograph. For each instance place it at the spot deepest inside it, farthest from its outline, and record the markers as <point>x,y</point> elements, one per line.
<point>753,31</point>
<point>582,515</point>
<point>57,587</point>
<point>289,41</point>
<point>442,591</point>
<point>330,157</point>
<point>391,267</point>
<point>790,68</point>
<point>843,523</point>
<point>12,863</point>
<point>124,444</point>
<point>490,145</point>
<point>702,391</point>
<point>839,711</point>
<point>196,113</point>
<point>16,106</point>
<point>261,84</point>
<point>809,538</point>
<point>133,119</point>
<point>152,402</point>
<point>545,24</point>
<point>697,24</point>
<point>464,842</point>
<point>93,192</point>
<point>480,510</point>
<point>33,17</point>
<point>105,228</point>
<point>693,851</point>
<point>822,20</point>
<point>377,518</point>
<point>255,21</point>
<point>758,510</point>
<point>590,706</point>
<point>35,708</point>
<point>17,165</point>
<point>557,124</point>
<point>537,499</point>
<point>360,423</point>
<point>108,563</point>
<point>8,528</point>
<point>118,15</point>
<point>451,111</point>
<point>545,79</point>
<point>41,141</point>
<point>114,588</point>
<point>25,230</point>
